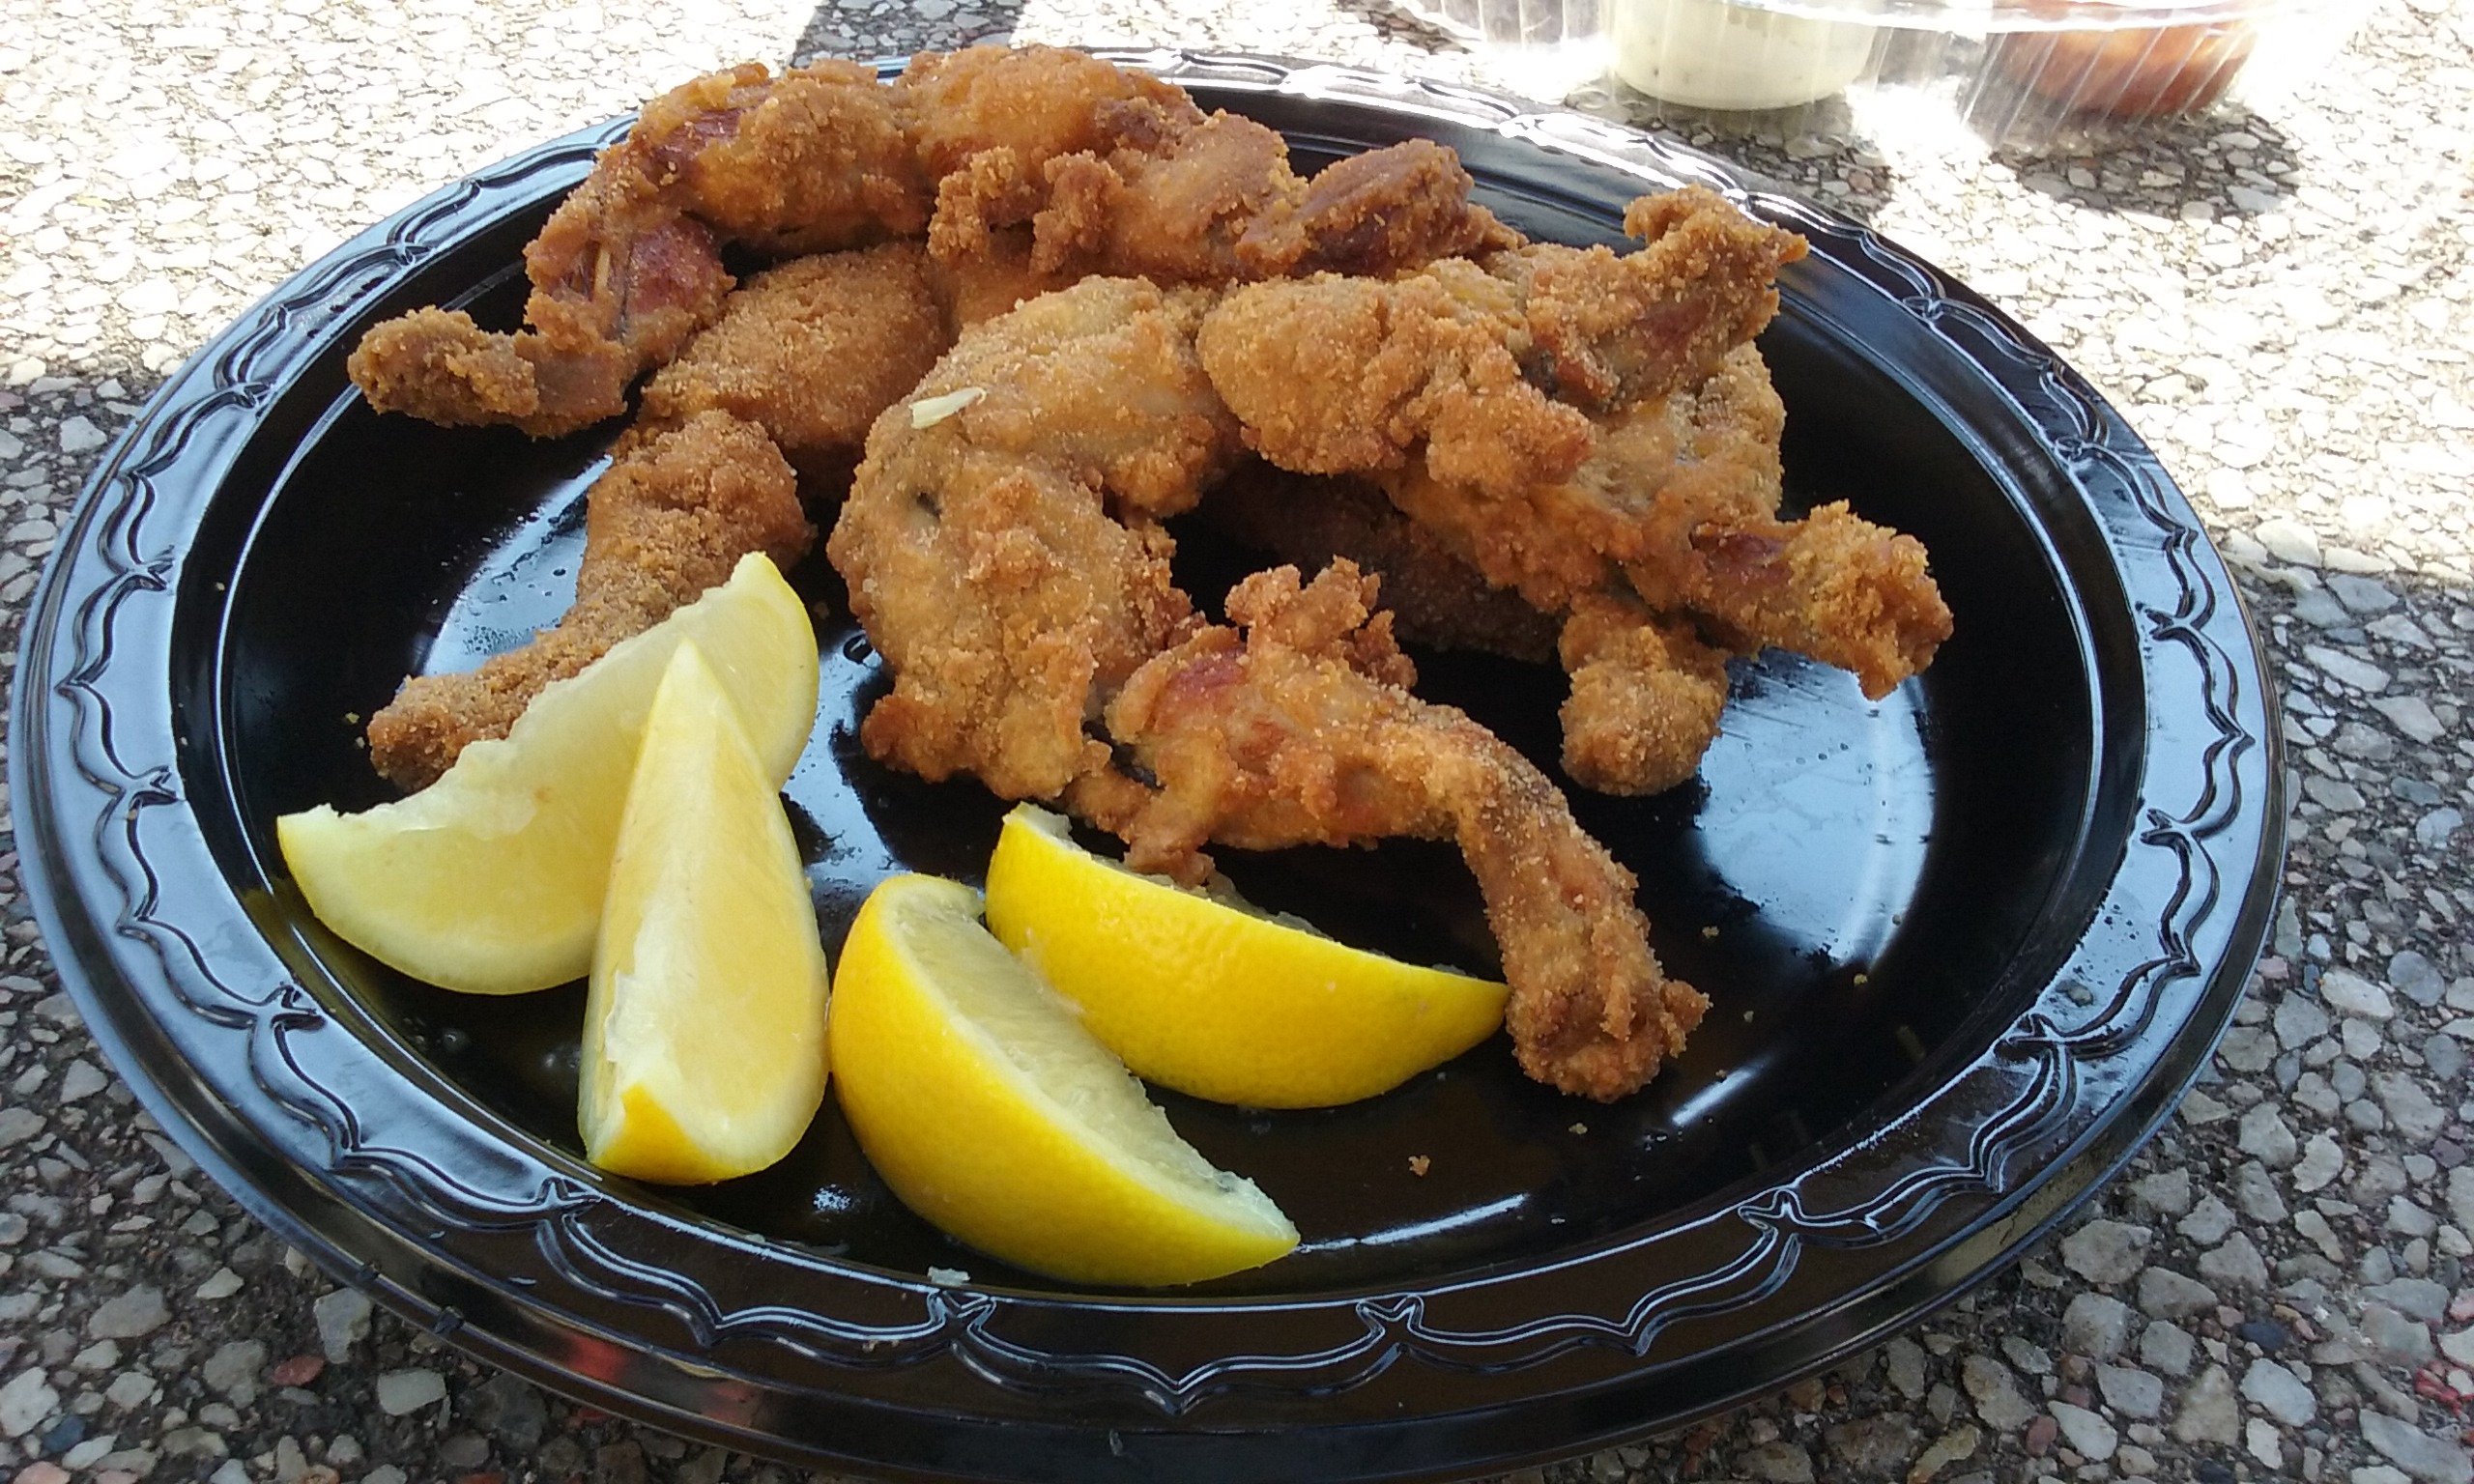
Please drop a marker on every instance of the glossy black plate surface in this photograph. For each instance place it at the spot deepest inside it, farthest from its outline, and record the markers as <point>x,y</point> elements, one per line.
<point>1964,945</point>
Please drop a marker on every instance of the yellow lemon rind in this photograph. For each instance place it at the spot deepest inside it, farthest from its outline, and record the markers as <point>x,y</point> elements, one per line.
<point>1216,1000</point>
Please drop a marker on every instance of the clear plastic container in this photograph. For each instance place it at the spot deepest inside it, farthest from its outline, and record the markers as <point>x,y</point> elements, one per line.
<point>1543,48</point>
<point>2025,75</point>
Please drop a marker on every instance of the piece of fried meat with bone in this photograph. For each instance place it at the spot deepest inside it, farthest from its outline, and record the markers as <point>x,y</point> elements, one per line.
<point>667,520</point>
<point>1486,373</point>
<point>1173,196</point>
<point>1001,540</point>
<point>823,156</point>
<point>1678,504</point>
<point>1303,731</point>
<point>811,351</point>
<point>1596,433</point>
<point>630,266</point>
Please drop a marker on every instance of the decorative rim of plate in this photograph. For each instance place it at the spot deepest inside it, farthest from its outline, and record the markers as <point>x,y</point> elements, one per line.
<point>454,1218</point>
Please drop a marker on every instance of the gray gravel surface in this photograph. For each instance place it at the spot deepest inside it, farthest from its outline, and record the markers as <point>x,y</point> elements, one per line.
<point>2281,302</point>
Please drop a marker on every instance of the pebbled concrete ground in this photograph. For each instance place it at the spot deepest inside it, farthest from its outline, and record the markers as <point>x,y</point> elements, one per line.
<point>2281,302</point>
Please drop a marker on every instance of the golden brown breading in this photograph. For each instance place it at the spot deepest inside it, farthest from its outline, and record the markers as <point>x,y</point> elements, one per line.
<point>1377,212</point>
<point>1608,332</point>
<point>1678,502</point>
<point>1173,196</point>
<point>1657,471</point>
<point>1335,375</point>
<point>1645,694</point>
<point>818,158</point>
<point>442,367</point>
<point>1304,732</point>
<point>981,549</point>
<point>815,160</point>
<point>629,265</point>
<point>1085,166</point>
<point>1832,586</point>
<point>1645,701</point>
<point>664,524</point>
<point>811,352</point>
<point>1487,371</point>
<point>1038,101</point>
<point>1168,201</point>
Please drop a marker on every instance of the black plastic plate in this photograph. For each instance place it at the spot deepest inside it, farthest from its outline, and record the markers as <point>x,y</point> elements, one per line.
<point>1964,945</point>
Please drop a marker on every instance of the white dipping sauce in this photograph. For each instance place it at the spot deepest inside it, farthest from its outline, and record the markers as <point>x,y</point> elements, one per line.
<point>1713,54</point>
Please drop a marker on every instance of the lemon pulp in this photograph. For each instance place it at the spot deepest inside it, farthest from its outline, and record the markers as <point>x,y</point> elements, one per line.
<point>703,1034</point>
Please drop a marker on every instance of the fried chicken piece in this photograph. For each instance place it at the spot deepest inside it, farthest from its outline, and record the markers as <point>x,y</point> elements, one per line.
<point>817,160</point>
<point>1085,166</point>
<point>1647,692</point>
<point>1334,375</point>
<point>1304,732</point>
<point>1380,211</point>
<point>811,352</point>
<point>665,522</point>
<point>629,265</point>
<point>1173,196</point>
<point>1166,205</point>
<point>440,366</point>
<point>1490,371</point>
<point>1657,471</point>
<point>1678,502</point>
<point>1435,598</point>
<point>1000,540</point>
<point>1611,331</point>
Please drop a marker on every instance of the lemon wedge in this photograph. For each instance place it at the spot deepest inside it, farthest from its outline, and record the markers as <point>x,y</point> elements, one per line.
<point>1217,1000</point>
<point>704,1032</point>
<point>491,879</point>
<point>991,1112</point>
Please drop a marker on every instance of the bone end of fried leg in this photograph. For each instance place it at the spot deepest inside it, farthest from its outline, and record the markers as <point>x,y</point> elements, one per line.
<point>1616,1053</point>
<point>1917,622</point>
<point>1644,702</point>
<point>437,365</point>
<point>1869,601</point>
<point>418,734</point>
